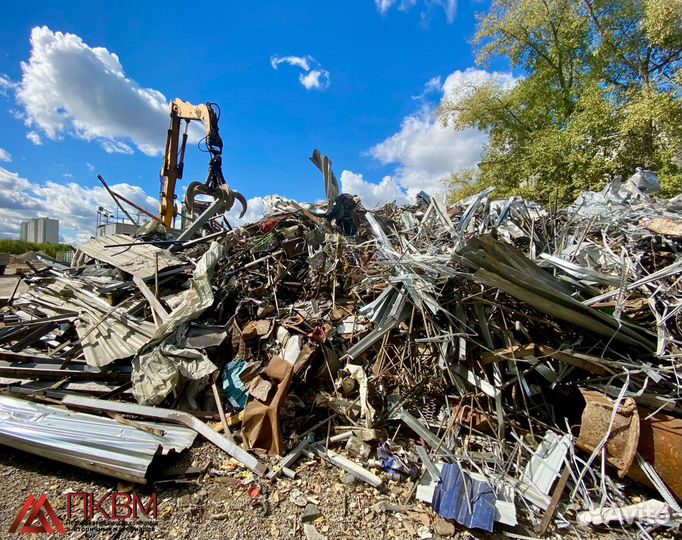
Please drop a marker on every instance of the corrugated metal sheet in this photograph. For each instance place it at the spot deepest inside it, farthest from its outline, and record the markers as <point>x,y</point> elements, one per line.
<point>467,501</point>
<point>107,333</point>
<point>136,260</point>
<point>91,442</point>
<point>545,464</point>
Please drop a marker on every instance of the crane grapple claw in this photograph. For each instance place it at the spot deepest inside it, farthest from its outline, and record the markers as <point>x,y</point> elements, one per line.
<point>223,192</point>
<point>242,200</point>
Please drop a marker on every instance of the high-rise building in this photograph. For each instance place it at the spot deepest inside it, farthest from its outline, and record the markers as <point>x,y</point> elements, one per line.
<point>40,231</point>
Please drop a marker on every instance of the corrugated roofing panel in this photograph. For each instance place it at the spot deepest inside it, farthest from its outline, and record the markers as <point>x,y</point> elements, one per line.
<point>91,442</point>
<point>138,260</point>
<point>107,333</point>
<point>468,501</point>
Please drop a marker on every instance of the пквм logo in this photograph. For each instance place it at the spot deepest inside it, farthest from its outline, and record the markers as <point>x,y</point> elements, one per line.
<point>39,509</point>
<point>83,511</point>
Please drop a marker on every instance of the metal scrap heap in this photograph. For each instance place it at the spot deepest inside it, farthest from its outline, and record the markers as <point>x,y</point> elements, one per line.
<point>519,363</point>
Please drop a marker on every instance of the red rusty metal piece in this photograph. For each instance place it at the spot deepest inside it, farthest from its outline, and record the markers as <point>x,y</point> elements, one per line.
<point>660,444</point>
<point>269,225</point>
<point>621,446</point>
<point>657,439</point>
<point>318,334</point>
<point>473,418</point>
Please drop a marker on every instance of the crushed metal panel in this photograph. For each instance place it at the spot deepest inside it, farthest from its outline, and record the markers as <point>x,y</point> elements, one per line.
<point>260,424</point>
<point>160,370</point>
<point>172,415</point>
<point>544,466</point>
<point>468,501</point>
<point>91,442</point>
<point>200,295</point>
<point>139,260</point>
<point>107,333</point>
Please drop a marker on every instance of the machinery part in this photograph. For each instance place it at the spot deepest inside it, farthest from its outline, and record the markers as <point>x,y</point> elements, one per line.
<point>174,159</point>
<point>655,437</point>
<point>188,233</point>
<point>331,184</point>
<point>223,192</point>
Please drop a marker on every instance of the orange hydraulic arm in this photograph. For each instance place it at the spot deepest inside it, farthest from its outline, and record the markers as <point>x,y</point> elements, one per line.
<point>174,159</point>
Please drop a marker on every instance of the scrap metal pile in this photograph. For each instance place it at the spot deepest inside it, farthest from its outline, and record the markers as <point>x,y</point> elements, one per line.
<point>520,364</point>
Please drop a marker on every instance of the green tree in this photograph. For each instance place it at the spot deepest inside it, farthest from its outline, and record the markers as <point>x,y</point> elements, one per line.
<point>19,247</point>
<point>599,96</point>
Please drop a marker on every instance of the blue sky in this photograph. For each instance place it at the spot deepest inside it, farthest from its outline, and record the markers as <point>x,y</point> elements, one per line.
<point>84,89</point>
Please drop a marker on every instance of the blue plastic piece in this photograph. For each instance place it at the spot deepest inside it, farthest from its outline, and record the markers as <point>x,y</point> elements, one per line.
<point>234,390</point>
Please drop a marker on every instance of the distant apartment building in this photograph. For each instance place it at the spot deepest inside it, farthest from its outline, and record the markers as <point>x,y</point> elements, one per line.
<point>40,231</point>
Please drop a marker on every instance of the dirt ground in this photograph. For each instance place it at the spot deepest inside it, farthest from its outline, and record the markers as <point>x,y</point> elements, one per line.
<point>227,505</point>
<point>7,284</point>
<point>212,506</point>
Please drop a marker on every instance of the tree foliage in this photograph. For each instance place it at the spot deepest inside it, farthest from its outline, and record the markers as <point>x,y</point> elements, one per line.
<point>19,247</point>
<point>599,96</point>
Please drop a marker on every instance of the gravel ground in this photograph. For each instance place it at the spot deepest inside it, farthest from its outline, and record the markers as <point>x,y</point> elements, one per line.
<point>7,284</point>
<point>221,505</point>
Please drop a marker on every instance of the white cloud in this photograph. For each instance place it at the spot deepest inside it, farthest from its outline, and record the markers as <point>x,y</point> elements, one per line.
<point>75,206</point>
<point>116,147</point>
<point>449,7</point>
<point>432,84</point>
<point>5,155</point>
<point>70,88</point>
<point>255,209</point>
<point>297,61</point>
<point>460,84</point>
<point>34,137</point>
<point>317,79</point>
<point>90,167</point>
<point>426,152</point>
<point>384,5</point>
<point>423,151</point>
<point>313,76</point>
<point>372,195</point>
<point>6,84</point>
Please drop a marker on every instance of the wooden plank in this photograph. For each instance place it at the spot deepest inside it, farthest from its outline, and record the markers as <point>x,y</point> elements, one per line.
<point>583,361</point>
<point>553,503</point>
<point>153,300</point>
<point>518,351</point>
